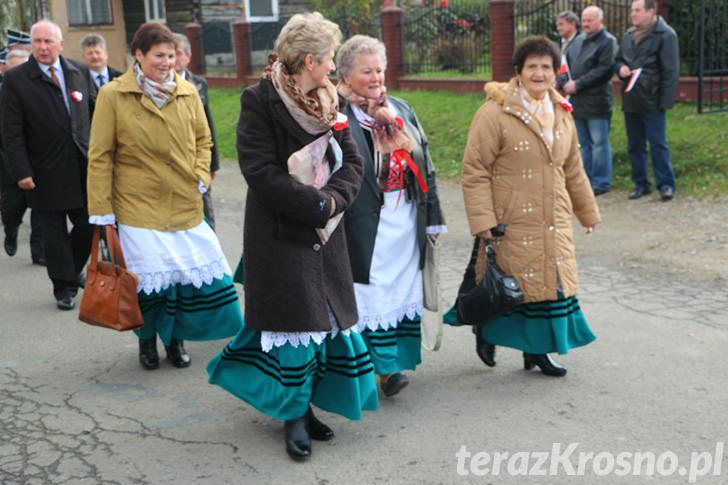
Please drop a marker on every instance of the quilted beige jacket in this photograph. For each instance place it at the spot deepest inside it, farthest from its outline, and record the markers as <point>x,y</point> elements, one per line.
<point>512,175</point>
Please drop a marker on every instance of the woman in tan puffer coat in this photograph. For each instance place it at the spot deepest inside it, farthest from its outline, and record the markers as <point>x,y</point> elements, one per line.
<point>522,168</point>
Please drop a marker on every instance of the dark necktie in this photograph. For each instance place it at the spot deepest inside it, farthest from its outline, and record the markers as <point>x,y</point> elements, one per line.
<point>53,76</point>
<point>100,79</point>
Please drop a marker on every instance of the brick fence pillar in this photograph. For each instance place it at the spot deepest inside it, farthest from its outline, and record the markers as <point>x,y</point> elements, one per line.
<point>501,39</point>
<point>194,35</point>
<point>243,45</point>
<point>393,38</point>
<point>662,8</point>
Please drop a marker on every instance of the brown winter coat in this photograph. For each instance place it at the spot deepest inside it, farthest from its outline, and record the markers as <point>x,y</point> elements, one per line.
<point>510,176</point>
<point>291,279</point>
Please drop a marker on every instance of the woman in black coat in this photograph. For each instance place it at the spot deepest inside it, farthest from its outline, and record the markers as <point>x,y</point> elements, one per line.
<point>298,345</point>
<point>396,211</point>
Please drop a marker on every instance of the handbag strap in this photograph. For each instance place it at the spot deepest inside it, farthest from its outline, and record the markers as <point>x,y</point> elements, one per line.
<point>95,249</point>
<point>112,239</point>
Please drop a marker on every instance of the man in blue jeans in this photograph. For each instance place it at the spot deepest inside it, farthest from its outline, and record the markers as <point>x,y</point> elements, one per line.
<point>648,64</point>
<point>588,83</point>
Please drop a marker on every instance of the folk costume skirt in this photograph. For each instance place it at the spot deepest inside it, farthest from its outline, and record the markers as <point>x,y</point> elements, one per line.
<point>185,286</point>
<point>391,304</point>
<point>335,374</point>
<point>537,328</point>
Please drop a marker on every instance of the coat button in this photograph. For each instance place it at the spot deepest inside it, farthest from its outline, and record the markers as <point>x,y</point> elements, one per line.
<point>168,164</point>
<point>317,247</point>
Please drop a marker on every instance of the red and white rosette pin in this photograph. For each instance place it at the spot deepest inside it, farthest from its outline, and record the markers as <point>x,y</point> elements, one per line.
<point>341,122</point>
<point>77,96</point>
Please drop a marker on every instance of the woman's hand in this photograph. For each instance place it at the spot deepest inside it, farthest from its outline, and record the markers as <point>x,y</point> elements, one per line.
<point>485,234</point>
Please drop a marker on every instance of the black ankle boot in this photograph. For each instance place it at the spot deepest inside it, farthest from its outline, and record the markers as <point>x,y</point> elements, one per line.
<point>544,362</point>
<point>298,444</point>
<point>148,356</point>
<point>176,354</point>
<point>318,430</point>
<point>484,349</point>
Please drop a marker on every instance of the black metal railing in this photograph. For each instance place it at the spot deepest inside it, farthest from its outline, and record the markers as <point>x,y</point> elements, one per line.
<point>447,38</point>
<point>264,34</point>
<point>217,39</point>
<point>713,72</point>
<point>539,18</point>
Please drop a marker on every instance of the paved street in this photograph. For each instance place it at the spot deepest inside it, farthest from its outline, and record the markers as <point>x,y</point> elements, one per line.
<point>77,408</point>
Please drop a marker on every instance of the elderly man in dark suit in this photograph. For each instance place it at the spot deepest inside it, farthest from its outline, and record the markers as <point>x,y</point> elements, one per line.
<point>181,61</point>
<point>45,114</point>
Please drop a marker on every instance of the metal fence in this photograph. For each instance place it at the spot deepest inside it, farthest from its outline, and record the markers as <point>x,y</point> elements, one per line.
<point>539,18</point>
<point>264,34</point>
<point>447,38</point>
<point>217,38</point>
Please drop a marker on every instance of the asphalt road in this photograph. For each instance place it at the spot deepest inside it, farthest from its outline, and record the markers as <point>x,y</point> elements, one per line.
<point>76,407</point>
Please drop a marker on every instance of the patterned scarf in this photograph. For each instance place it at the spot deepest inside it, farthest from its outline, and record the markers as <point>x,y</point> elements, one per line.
<point>159,93</point>
<point>543,111</point>
<point>316,111</point>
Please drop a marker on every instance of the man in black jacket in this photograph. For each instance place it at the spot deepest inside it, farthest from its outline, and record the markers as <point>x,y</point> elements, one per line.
<point>96,57</point>
<point>45,115</point>
<point>589,84</point>
<point>648,64</point>
<point>12,197</point>
<point>181,61</point>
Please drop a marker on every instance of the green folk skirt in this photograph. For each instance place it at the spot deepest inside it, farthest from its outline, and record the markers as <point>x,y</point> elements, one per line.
<point>395,349</point>
<point>537,328</point>
<point>184,312</point>
<point>336,375</point>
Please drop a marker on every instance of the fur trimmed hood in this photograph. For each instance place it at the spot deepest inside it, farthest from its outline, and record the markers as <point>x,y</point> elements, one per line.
<point>498,92</point>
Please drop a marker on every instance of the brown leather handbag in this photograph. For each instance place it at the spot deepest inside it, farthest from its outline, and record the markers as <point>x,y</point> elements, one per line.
<point>110,295</point>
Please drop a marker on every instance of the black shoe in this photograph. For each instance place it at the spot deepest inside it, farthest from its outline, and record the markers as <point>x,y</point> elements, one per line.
<point>39,260</point>
<point>598,192</point>
<point>394,384</point>
<point>148,356</point>
<point>316,429</point>
<point>176,354</point>
<point>640,192</point>
<point>544,362</point>
<point>66,303</point>
<point>667,192</point>
<point>484,349</point>
<point>81,280</point>
<point>11,241</point>
<point>298,444</point>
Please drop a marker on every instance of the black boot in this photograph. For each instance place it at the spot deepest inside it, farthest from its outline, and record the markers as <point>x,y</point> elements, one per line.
<point>148,356</point>
<point>484,349</point>
<point>318,430</point>
<point>298,444</point>
<point>11,241</point>
<point>176,354</point>
<point>544,362</point>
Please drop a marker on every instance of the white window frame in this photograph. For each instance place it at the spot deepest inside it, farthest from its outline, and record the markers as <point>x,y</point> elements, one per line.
<point>262,19</point>
<point>89,14</point>
<point>152,11</point>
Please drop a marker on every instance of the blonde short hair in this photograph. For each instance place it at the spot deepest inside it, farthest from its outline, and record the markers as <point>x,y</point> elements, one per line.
<point>353,48</point>
<point>306,33</point>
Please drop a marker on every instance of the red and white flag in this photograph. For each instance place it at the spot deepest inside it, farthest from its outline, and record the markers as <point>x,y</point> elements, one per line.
<point>633,79</point>
<point>564,69</point>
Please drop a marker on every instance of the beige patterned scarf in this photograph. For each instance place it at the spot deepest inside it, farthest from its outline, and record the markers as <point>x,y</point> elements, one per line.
<point>316,111</point>
<point>157,92</point>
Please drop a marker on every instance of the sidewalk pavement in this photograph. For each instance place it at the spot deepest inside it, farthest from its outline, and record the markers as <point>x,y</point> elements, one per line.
<point>77,408</point>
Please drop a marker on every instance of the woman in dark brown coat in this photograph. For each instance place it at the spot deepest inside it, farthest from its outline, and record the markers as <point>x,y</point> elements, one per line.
<point>298,345</point>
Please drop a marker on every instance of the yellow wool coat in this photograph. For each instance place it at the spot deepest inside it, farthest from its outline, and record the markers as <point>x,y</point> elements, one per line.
<point>145,163</point>
<point>511,175</point>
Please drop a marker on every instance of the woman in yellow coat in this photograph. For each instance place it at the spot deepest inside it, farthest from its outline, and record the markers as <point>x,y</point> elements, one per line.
<point>149,160</point>
<point>522,168</point>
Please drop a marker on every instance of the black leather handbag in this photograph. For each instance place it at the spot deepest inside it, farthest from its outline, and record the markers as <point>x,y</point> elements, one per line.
<point>495,294</point>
